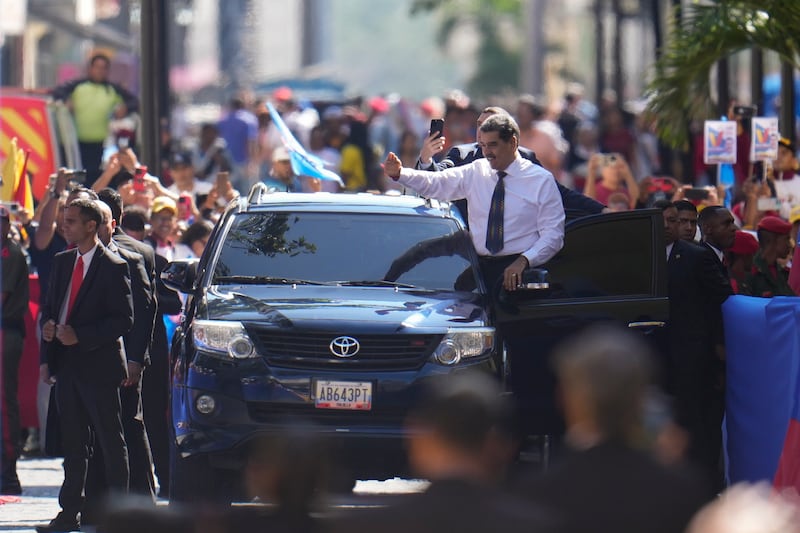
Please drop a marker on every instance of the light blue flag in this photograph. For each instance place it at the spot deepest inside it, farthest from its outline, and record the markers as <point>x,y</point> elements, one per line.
<point>303,163</point>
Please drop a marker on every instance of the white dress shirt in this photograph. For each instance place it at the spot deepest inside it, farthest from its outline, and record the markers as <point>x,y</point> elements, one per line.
<point>720,254</point>
<point>87,259</point>
<point>533,217</point>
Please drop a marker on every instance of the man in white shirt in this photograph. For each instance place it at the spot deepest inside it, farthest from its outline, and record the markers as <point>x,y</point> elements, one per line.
<point>529,229</point>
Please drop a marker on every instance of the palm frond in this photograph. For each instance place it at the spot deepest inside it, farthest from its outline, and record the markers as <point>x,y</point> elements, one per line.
<point>680,90</point>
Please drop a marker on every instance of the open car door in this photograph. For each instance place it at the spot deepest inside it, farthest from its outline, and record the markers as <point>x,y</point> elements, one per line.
<point>612,269</point>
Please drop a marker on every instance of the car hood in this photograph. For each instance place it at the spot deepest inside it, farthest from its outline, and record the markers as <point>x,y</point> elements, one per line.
<point>312,307</point>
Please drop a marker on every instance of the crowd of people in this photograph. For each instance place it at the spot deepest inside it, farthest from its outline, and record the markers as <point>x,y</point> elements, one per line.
<point>98,245</point>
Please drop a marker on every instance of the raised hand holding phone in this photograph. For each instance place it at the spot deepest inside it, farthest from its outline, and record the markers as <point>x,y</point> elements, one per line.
<point>437,127</point>
<point>433,143</point>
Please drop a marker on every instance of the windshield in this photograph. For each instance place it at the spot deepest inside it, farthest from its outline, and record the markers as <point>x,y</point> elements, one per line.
<point>355,249</point>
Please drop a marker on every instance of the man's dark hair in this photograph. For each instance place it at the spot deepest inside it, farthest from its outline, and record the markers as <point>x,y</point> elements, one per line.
<point>613,368</point>
<point>88,210</point>
<point>99,57</point>
<point>134,218</point>
<point>503,124</point>
<point>112,199</point>
<point>237,103</point>
<point>462,410</point>
<point>196,232</point>
<point>494,110</point>
<point>708,214</point>
<point>663,204</point>
<point>685,205</point>
<point>82,192</point>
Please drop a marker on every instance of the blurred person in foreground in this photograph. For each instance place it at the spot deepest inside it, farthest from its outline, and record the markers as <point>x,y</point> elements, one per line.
<point>748,508</point>
<point>453,437</point>
<point>607,480</point>
<point>286,472</point>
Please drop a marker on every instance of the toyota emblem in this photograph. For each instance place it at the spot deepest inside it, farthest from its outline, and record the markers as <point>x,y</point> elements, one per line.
<point>344,346</point>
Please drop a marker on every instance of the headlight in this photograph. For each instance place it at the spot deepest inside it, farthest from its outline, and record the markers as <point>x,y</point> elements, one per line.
<point>223,337</point>
<point>463,344</point>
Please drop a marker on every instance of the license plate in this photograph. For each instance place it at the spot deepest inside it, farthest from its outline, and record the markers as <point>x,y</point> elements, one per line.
<point>353,395</point>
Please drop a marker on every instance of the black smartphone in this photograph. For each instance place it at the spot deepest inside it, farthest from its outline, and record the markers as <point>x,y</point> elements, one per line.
<point>437,126</point>
<point>744,111</point>
<point>696,193</point>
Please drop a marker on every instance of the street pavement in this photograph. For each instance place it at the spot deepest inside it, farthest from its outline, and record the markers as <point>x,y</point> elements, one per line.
<point>41,478</point>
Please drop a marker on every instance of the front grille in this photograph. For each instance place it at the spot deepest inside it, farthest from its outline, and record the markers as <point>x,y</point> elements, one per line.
<point>302,349</point>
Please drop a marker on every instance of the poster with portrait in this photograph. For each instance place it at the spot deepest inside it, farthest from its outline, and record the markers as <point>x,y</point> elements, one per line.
<point>765,136</point>
<point>719,142</point>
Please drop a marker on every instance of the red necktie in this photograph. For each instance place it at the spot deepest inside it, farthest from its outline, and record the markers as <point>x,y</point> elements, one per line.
<point>77,279</point>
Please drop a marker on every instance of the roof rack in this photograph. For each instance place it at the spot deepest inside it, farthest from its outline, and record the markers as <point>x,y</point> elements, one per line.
<point>256,191</point>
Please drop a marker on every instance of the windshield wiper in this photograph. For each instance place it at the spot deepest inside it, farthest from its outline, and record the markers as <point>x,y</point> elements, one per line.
<point>375,283</point>
<point>271,280</point>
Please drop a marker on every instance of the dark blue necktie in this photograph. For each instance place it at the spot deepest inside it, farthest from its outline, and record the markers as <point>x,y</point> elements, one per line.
<point>494,227</point>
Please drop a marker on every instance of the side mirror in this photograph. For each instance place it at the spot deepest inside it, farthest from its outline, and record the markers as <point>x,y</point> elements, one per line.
<point>535,279</point>
<point>180,275</point>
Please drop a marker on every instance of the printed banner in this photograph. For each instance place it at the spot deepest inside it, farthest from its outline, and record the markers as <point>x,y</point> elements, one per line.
<point>765,135</point>
<point>719,142</point>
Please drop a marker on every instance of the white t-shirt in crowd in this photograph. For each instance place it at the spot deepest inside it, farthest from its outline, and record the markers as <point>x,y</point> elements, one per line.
<point>788,193</point>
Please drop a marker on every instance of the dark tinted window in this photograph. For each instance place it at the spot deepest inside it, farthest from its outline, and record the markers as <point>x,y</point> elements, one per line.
<point>430,253</point>
<point>604,258</point>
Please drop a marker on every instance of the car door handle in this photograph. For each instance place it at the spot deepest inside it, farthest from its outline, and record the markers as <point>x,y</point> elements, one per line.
<point>647,324</point>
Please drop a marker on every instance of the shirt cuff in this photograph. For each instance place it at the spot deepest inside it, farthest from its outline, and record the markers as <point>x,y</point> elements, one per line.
<point>423,166</point>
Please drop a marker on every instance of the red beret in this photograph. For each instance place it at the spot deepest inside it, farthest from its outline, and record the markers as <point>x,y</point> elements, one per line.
<point>379,105</point>
<point>282,94</point>
<point>745,244</point>
<point>775,225</point>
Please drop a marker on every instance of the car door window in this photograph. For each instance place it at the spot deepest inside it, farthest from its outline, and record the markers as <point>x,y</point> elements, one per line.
<point>604,258</point>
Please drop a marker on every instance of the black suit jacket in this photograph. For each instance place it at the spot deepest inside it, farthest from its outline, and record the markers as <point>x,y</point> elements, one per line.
<point>137,340</point>
<point>451,505</point>
<point>612,488</point>
<point>101,315</point>
<point>698,285</point>
<point>575,204</point>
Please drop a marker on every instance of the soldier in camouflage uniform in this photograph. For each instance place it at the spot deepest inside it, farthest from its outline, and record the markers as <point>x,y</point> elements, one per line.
<point>768,278</point>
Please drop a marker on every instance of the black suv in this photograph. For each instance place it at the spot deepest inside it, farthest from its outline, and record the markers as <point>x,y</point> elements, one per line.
<point>335,308</point>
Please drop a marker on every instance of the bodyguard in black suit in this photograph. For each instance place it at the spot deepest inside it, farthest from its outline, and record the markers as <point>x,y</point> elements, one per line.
<point>155,382</point>
<point>86,313</point>
<point>698,285</point>
<point>137,343</point>
<point>575,204</point>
